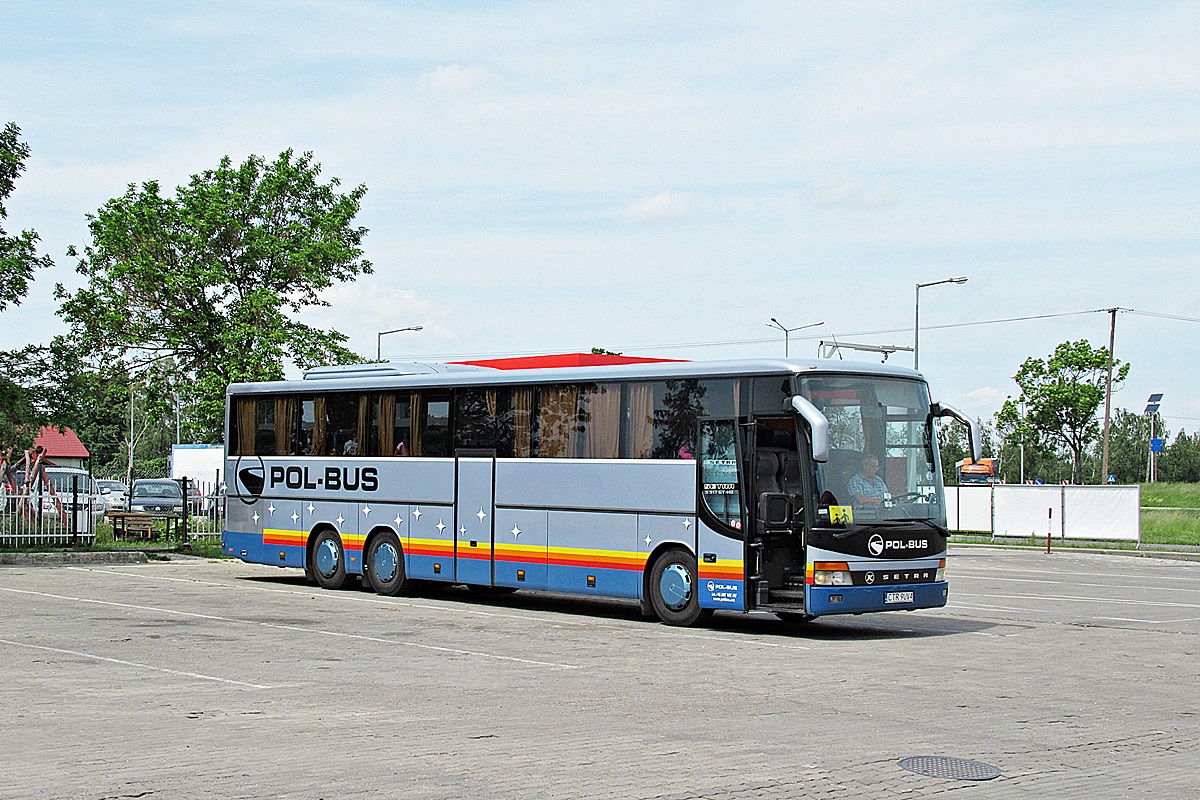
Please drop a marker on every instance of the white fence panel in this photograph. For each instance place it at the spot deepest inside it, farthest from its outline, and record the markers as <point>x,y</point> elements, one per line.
<point>1102,512</point>
<point>1023,510</point>
<point>969,508</point>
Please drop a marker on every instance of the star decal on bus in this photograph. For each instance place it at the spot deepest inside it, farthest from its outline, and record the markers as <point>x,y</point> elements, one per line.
<point>481,515</point>
<point>295,516</point>
<point>399,520</point>
<point>367,510</point>
<point>441,526</point>
<point>256,517</point>
<point>417,513</point>
<point>340,519</point>
<point>687,524</point>
<point>271,508</point>
<point>515,531</point>
<point>648,540</point>
<point>310,508</point>
<point>462,531</point>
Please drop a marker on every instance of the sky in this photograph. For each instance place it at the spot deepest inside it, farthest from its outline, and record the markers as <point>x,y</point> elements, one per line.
<point>662,179</point>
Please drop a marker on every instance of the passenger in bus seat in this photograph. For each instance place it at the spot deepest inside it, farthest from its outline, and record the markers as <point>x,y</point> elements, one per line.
<point>401,449</point>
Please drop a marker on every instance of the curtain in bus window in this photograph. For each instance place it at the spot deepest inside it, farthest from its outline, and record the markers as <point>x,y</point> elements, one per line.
<point>320,427</point>
<point>387,424</point>
<point>558,421</point>
<point>365,434</point>
<point>641,420</point>
<point>601,421</point>
<point>522,416</point>
<point>414,429</point>
<point>285,425</point>
<point>247,420</point>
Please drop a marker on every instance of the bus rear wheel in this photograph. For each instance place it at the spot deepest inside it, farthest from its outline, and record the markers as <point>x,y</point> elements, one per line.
<point>384,564</point>
<point>673,590</point>
<point>327,560</point>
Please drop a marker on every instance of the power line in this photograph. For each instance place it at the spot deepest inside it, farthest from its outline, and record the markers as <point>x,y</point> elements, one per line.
<point>875,332</point>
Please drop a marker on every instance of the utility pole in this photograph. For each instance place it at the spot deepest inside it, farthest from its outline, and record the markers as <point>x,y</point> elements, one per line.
<point>1112,336</point>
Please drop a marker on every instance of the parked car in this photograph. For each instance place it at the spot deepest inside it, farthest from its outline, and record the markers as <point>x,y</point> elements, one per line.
<point>68,483</point>
<point>115,494</point>
<point>156,496</point>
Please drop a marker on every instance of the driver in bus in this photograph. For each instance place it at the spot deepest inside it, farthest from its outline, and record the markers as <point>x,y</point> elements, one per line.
<point>866,487</point>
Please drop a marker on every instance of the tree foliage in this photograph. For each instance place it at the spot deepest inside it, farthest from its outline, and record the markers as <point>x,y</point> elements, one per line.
<point>1060,396</point>
<point>1181,461</point>
<point>200,289</point>
<point>18,253</point>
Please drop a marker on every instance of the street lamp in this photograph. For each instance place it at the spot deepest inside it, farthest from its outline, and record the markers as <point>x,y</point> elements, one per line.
<point>917,315</point>
<point>379,338</point>
<point>774,323</point>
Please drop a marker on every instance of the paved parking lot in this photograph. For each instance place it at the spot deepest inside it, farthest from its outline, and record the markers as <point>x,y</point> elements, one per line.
<point>1076,675</point>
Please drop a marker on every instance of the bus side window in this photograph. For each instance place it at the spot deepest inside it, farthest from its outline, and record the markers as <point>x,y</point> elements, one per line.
<point>719,485</point>
<point>435,424</point>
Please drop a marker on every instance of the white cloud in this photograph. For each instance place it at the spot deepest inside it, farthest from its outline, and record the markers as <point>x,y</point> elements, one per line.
<point>841,191</point>
<point>662,206</point>
<point>454,78</point>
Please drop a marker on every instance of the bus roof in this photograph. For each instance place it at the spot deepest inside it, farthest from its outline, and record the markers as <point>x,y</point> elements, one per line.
<point>406,375</point>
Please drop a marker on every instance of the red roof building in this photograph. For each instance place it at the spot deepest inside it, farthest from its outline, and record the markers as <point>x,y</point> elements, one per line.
<point>63,448</point>
<point>562,360</point>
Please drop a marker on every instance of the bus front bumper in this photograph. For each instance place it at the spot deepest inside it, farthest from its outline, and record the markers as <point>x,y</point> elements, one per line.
<point>824,600</point>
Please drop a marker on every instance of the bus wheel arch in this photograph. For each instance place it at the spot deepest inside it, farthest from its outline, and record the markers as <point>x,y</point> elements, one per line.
<point>671,586</point>
<point>326,558</point>
<point>383,562</point>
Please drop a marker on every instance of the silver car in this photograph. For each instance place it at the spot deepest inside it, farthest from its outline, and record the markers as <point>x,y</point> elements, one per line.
<point>115,494</point>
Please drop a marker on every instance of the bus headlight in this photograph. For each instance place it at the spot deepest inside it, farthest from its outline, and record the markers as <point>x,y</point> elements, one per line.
<point>831,573</point>
<point>941,571</point>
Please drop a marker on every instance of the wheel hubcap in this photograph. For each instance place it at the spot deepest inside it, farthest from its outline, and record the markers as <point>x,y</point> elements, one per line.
<point>675,586</point>
<point>384,563</point>
<point>328,558</point>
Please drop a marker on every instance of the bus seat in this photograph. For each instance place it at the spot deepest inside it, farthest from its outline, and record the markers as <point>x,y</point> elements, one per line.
<point>789,472</point>
<point>766,471</point>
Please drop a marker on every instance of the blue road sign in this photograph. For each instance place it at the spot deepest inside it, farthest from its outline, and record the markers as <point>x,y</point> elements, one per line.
<point>1112,478</point>
<point>1156,445</point>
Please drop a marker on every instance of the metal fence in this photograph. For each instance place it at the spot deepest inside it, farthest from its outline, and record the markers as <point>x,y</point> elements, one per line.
<point>37,515</point>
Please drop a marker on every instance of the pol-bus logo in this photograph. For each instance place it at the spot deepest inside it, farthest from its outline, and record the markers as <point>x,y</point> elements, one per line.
<point>251,477</point>
<point>875,545</point>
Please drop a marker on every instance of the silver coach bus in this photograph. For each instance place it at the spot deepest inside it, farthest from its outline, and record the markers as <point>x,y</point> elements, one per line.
<point>798,488</point>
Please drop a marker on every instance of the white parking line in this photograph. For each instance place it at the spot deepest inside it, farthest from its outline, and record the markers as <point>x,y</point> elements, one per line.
<point>297,629</point>
<point>450,607</point>
<point>135,664</point>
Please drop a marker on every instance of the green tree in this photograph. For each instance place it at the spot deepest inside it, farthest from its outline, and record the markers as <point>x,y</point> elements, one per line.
<point>200,289</point>
<point>1129,445</point>
<point>1060,396</point>
<point>954,446</point>
<point>1181,461</point>
<point>18,254</point>
<point>20,414</point>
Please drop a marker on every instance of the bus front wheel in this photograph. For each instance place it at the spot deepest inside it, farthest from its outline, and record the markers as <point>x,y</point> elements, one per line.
<point>327,560</point>
<point>385,565</point>
<point>673,591</point>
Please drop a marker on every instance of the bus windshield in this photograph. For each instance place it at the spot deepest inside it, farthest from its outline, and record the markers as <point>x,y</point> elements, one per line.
<point>882,462</point>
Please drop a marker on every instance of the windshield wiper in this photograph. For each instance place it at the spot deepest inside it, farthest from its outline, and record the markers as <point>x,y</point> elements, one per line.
<point>904,523</point>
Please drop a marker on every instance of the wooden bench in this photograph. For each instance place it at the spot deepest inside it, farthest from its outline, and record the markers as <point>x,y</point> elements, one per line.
<point>140,523</point>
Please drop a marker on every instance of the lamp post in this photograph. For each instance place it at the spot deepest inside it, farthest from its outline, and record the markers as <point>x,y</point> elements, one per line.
<point>379,338</point>
<point>774,323</point>
<point>917,315</point>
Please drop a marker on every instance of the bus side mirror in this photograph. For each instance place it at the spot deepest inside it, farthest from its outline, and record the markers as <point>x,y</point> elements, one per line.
<point>974,437</point>
<point>818,424</point>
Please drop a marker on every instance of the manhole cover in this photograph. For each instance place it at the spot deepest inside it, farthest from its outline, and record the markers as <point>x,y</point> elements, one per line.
<point>959,769</point>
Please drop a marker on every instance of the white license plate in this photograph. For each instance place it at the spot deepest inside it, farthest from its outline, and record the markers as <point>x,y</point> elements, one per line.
<point>898,597</point>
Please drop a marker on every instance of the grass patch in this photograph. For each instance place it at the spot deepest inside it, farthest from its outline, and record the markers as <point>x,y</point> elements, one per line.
<point>1171,495</point>
<point>1171,527</point>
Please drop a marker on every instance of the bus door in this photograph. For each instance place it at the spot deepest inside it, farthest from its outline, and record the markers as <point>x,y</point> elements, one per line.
<point>474,510</point>
<point>775,555</point>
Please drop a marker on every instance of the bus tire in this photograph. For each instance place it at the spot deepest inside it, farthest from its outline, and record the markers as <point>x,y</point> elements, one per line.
<point>327,560</point>
<point>673,589</point>
<point>384,565</point>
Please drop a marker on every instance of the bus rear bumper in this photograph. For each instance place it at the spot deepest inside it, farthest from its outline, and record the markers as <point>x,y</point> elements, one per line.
<point>824,600</point>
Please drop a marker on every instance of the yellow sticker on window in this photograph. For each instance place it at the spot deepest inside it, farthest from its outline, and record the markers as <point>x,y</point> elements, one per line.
<point>841,515</point>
